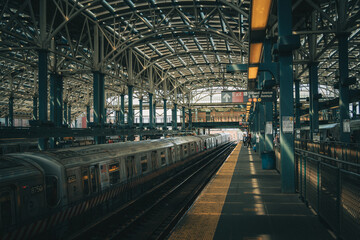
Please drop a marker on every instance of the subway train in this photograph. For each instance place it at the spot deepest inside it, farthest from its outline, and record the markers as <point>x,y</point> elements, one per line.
<point>42,191</point>
<point>333,130</point>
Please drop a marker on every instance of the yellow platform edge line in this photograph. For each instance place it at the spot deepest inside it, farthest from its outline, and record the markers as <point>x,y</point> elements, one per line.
<point>193,227</point>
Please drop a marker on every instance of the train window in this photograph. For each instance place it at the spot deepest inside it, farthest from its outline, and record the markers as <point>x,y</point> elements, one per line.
<point>114,173</point>
<point>6,214</point>
<point>163,158</point>
<point>144,163</point>
<point>154,164</point>
<point>130,166</point>
<point>192,149</point>
<point>93,179</point>
<point>185,149</point>
<point>85,179</point>
<point>51,190</point>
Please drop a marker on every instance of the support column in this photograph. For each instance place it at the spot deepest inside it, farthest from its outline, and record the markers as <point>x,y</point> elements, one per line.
<point>276,115</point>
<point>343,71</point>
<point>35,107</point>
<point>151,115</point>
<point>154,112</point>
<point>69,115</point>
<point>174,117</point>
<point>261,120</point>
<point>141,112</point>
<point>56,101</point>
<point>11,111</point>
<point>87,115</point>
<point>65,111</point>
<point>286,100</point>
<point>42,73</point>
<point>314,102</point>
<point>43,90</point>
<point>99,103</point>
<point>183,119</point>
<point>6,121</point>
<point>297,104</point>
<point>190,119</point>
<point>122,109</point>
<point>268,105</point>
<point>130,116</point>
<point>165,116</point>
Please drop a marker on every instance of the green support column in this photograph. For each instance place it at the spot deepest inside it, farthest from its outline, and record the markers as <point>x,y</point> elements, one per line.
<point>314,100</point>
<point>255,125</point>
<point>122,109</point>
<point>261,120</point>
<point>105,115</point>
<point>343,70</point>
<point>99,103</point>
<point>297,104</point>
<point>286,99</point>
<point>6,121</point>
<point>183,118</point>
<point>268,105</point>
<point>174,117</point>
<point>69,115</point>
<point>190,119</point>
<point>65,111</point>
<point>130,116</point>
<point>56,101</point>
<point>141,112</point>
<point>151,114</point>
<point>56,89</point>
<point>35,107</point>
<point>11,111</point>
<point>154,112</point>
<point>141,115</point>
<point>43,93</point>
<point>87,115</point>
<point>165,116</point>
<point>276,115</point>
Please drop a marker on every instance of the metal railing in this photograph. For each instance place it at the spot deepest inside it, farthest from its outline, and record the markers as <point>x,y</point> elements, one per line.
<point>332,188</point>
<point>329,181</point>
<point>349,152</point>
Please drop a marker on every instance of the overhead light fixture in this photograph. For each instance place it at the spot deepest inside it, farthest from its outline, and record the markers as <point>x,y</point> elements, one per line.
<point>252,73</point>
<point>260,10</point>
<point>255,52</point>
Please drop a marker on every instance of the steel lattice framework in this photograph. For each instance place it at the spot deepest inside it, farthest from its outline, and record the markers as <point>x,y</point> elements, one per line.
<point>167,47</point>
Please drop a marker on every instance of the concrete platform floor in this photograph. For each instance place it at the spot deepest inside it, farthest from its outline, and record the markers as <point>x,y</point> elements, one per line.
<point>245,202</point>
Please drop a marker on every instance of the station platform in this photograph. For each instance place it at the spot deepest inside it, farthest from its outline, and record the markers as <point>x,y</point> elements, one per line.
<point>245,202</point>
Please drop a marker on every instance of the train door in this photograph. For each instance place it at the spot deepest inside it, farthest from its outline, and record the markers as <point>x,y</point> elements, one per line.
<point>90,180</point>
<point>130,167</point>
<point>94,180</point>
<point>7,208</point>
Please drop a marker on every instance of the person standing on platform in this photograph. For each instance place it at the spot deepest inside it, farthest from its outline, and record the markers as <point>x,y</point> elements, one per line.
<point>249,144</point>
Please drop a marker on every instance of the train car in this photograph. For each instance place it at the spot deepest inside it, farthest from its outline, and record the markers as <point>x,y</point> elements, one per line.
<point>22,193</point>
<point>74,180</point>
<point>333,130</point>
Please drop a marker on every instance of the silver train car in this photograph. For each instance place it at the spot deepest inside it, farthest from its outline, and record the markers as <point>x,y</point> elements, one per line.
<point>41,191</point>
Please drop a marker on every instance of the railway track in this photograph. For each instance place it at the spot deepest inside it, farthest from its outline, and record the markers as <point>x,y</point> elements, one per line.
<point>155,214</point>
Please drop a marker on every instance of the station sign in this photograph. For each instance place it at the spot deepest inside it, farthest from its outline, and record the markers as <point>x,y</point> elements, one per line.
<point>247,96</point>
